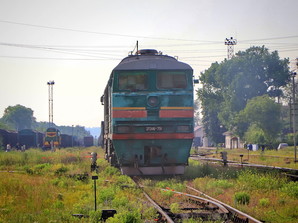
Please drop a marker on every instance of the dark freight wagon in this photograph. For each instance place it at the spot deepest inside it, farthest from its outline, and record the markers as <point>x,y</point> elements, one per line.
<point>8,137</point>
<point>66,141</point>
<point>148,114</point>
<point>30,138</point>
<point>88,141</point>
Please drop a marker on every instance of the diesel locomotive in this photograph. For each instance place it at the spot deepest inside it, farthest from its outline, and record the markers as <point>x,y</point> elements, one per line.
<point>52,138</point>
<point>148,114</point>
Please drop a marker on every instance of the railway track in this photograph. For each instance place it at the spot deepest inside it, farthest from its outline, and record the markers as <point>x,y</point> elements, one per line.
<point>289,172</point>
<point>175,206</point>
<point>234,214</point>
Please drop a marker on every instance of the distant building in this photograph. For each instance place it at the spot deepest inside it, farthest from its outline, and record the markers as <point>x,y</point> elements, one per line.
<point>232,141</point>
<point>200,139</point>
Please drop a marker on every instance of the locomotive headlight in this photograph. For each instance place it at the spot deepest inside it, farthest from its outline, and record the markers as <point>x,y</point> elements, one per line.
<point>152,101</point>
<point>183,128</point>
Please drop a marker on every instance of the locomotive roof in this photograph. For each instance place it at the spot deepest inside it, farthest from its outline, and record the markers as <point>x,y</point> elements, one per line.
<point>150,59</point>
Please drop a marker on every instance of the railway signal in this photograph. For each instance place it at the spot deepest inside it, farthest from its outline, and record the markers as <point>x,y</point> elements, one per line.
<point>93,162</point>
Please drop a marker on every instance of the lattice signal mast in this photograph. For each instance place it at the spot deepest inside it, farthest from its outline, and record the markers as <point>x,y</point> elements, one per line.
<point>51,101</point>
<point>230,43</point>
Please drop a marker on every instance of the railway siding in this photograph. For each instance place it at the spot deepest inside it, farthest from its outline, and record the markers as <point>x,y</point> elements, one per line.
<point>190,206</point>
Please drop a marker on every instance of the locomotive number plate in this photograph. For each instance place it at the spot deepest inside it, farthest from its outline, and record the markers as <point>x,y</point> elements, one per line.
<point>153,128</point>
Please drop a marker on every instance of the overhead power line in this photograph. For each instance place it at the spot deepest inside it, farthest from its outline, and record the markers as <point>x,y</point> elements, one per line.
<point>99,33</point>
<point>272,38</point>
<point>137,36</point>
<point>58,58</point>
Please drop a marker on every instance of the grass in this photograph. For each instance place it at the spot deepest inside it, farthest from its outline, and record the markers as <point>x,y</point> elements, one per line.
<point>266,196</point>
<point>51,187</point>
<point>280,158</point>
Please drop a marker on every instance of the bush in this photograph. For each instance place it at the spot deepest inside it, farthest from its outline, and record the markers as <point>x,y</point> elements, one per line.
<point>61,170</point>
<point>291,189</point>
<point>111,171</point>
<point>224,184</point>
<point>95,216</point>
<point>241,198</point>
<point>174,207</point>
<point>120,202</point>
<point>255,135</point>
<point>172,184</point>
<point>256,181</point>
<point>197,170</point>
<point>106,194</point>
<point>289,138</point>
<point>126,217</point>
<point>264,202</point>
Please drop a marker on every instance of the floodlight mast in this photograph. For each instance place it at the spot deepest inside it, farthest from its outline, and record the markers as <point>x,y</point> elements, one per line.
<point>230,43</point>
<point>51,102</point>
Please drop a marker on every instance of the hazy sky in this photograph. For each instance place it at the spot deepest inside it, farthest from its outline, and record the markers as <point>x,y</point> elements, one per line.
<point>77,43</point>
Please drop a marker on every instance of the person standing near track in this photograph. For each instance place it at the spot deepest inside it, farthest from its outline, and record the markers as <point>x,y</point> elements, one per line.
<point>8,148</point>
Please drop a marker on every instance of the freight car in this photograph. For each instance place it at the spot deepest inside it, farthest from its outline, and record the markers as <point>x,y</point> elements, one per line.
<point>52,138</point>
<point>66,141</point>
<point>148,114</point>
<point>30,138</point>
<point>88,141</point>
<point>8,137</point>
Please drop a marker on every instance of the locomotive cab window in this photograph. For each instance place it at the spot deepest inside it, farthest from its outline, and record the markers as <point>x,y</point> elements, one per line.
<point>133,81</point>
<point>171,80</point>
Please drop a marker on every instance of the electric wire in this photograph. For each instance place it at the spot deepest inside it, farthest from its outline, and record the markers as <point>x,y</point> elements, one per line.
<point>139,36</point>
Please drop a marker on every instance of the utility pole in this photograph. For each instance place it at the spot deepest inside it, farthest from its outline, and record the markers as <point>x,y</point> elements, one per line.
<point>230,43</point>
<point>51,84</point>
<point>293,74</point>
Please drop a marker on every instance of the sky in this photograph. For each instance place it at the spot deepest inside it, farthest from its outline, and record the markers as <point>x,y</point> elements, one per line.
<point>77,43</point>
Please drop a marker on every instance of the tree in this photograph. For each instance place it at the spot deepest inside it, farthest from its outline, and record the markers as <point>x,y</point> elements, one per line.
<point>210,110</point>
<point>4,126</point>
<point>255,135</point>
<point>251,73</point>
<point>18,117</point>
<point>264,115</point>
<point>197,119</point>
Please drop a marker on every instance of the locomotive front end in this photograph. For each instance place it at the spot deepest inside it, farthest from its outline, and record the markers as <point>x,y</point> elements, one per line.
<point>149,108</point>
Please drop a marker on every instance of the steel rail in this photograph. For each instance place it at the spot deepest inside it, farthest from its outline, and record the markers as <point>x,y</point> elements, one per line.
<point>245,164</point>
<point>156,206</point>
<point>231,209</point>
<point>227,211</point>
<point>220,206</point>
<point>159,209</point>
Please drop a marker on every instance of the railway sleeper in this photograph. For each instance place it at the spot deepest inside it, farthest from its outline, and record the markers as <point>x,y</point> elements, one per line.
<point>196,213</point>
<point>235,218</point>
<point>205,205</point>
<point>205,216</point>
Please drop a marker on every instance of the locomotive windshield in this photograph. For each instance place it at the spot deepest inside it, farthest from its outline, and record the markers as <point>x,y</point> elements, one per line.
<point>133,81</point>
<point>171,80</point>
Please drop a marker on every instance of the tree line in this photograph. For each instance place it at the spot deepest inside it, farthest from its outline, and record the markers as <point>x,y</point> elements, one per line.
<point>19,117</point>
<point>247,95</point>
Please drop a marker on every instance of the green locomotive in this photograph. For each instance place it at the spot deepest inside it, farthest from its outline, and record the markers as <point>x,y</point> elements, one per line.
<point>148,114</point>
